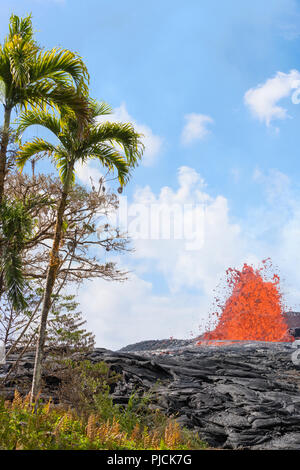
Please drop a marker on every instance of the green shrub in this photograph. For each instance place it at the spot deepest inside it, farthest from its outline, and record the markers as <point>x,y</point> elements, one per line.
<point>48,427</point>
<point>87,418</point>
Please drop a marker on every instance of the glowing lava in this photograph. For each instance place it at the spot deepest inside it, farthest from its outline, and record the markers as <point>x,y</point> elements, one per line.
<point>254,309</point>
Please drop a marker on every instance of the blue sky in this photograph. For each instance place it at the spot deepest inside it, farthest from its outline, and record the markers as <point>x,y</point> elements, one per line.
<point>210,83</point>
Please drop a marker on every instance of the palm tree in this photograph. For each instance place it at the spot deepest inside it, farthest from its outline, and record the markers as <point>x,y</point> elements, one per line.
<point>116,146</point>
<point>31,76</point>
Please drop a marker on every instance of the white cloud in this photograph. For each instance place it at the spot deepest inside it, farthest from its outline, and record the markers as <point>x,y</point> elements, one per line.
<point>276,184</point>
<point>153,143</point>
<point>195,127</point>
<point>87,173</point>
<point>120,314</point>
<point>263,99</point>
<point>125,313</point>
<point>279,219</point>
<point>220,240</point>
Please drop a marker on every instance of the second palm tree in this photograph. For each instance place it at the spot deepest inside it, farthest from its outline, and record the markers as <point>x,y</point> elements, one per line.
<point>116,146</point>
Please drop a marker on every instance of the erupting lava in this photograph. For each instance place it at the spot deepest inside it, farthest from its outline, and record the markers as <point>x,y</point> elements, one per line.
<point>254,309</point>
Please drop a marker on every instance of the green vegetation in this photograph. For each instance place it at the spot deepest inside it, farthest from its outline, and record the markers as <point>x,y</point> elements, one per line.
<point>88,419</point>
<point>54,428</point>
<point>91,420</point>
<point>46,229</point>
<point>17,226</point>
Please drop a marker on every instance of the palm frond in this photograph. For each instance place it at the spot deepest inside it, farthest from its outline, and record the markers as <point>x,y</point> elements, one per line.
<point>110,158</point>
<point>60,65</point>
<point>19,49</point>
<point>117,146</point>
<point>122,134</point>
<point>16,228</point>
<point>14,279</point>
<point>100,108</point>
<point>20,54</point>
<point>29,149</point>
<point>5,73</point>
<point>21,26</point>
<point>46,94</point>
<point>39,118</point>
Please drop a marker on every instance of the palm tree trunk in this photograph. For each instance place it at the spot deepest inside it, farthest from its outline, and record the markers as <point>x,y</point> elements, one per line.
<point>50,280</point>
<point>3,149</point>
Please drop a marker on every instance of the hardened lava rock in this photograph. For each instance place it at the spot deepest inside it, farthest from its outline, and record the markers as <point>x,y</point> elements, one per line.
<point>236,396</point>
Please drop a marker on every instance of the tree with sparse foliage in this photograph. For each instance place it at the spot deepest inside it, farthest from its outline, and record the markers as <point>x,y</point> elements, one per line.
<point>66,331</point>
<point>116,146</point>
<point>88,229</point>
<point>88,234</point>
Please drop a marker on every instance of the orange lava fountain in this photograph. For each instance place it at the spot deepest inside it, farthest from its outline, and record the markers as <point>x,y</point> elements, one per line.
<point>254,309</point>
